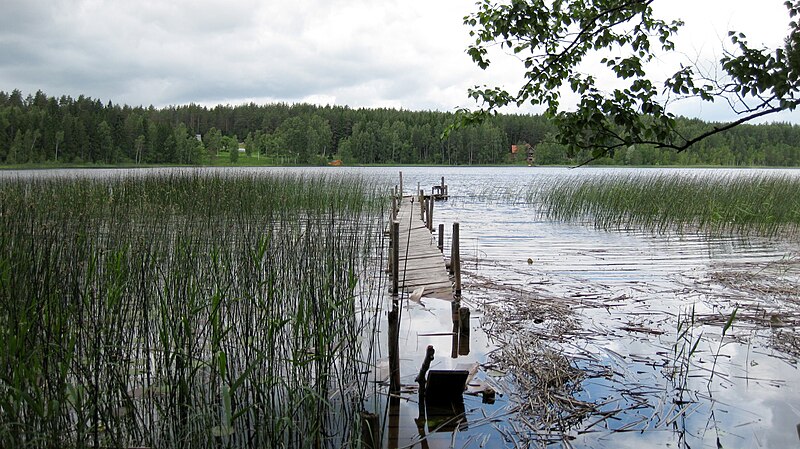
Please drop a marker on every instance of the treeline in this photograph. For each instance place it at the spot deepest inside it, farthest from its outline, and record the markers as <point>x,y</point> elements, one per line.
<point>39,129</point>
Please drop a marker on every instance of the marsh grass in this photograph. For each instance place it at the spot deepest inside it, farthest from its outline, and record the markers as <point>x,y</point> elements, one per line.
<point>762,204</point>
<point>186,310</point>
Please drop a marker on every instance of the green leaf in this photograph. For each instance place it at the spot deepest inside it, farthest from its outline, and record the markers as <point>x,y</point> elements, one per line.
<point>729,323</point>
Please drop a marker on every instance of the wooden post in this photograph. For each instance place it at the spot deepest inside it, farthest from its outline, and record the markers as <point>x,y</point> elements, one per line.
<point>454,346</point>
<point>441,238</point>
<point>395,257</point>
<point>451,266</point>
<point>393,430</point>
<point>422,204</point>
<point>455,263</point>
<point>430,214</point>
<point>423,370</point>
<point>370,436</point>
<point>463,331</point>
<point>401,184</point>
<point>394,207</point>
<point>394,352</point>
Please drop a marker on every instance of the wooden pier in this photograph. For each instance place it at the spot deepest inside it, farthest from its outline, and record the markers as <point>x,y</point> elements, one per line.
<point>420,262</point>
<point>419,269</point>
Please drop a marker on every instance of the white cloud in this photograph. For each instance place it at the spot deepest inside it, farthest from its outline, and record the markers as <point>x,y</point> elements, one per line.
<point>408,54</point>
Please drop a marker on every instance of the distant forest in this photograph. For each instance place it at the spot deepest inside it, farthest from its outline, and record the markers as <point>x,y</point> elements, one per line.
<point>36,129</point>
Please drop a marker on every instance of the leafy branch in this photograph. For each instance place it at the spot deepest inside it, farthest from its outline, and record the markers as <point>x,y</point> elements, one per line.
<point>552,38</point>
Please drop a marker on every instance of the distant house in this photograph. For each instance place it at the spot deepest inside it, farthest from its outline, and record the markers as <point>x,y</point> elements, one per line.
<point>198,137</point>
<point>528,151</point>
<point>242,149</point>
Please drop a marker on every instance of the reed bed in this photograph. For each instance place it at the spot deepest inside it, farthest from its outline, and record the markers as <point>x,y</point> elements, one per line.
<point>187,310</point>
<point>761,204</point>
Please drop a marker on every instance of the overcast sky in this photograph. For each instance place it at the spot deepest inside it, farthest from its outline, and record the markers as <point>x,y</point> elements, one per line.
<point>391,53</point>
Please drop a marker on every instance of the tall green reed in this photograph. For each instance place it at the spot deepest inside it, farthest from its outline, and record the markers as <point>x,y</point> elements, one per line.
<point>748,204</point>
<point>186,310</point>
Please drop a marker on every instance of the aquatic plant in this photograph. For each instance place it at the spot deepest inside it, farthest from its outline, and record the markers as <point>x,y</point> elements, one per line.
<point>186,309</point>
<point>762,204</point>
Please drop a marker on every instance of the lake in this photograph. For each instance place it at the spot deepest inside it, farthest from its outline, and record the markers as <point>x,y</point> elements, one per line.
<point>640,316</point>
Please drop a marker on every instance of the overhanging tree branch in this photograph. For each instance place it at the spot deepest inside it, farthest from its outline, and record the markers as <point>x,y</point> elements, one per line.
<point>559,34</point>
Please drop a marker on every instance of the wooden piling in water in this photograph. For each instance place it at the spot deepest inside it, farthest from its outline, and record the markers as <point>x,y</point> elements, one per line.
<point>441,237</point>
<point>395,262</point>
<point>394,352</point>
<point>370,431</point>
<point>422,204</point>
<point>454,308</point>
<point>430,214</point>
<point>401,184</point>
<point>463,331</point>
<point>455,262</point>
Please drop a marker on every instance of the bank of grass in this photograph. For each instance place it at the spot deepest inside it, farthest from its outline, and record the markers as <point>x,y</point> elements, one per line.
<point>186,310</point>
<point>759,204</point>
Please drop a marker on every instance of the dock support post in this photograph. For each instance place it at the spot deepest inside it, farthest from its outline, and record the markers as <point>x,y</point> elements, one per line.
<point>394,352</point>
<point>455,306</point>
<point>455,262</point>
<point>370,436</point>
<point>401,184</point>
<point>420,199</point>
<point>463,331</point>
<point>430,214</point>
<point>394,207</point>
<point>441,237</point>
<point>395,262</point>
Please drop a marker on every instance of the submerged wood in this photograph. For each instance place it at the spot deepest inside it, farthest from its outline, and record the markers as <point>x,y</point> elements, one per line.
<point>423,370</point>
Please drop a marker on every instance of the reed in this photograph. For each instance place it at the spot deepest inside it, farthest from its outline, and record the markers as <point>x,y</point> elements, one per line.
<point>762,204</point>
<point>187,310</point>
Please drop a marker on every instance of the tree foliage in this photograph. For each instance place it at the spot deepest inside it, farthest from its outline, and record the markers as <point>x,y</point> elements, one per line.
<point>38,129</point>
<point>552,38</point>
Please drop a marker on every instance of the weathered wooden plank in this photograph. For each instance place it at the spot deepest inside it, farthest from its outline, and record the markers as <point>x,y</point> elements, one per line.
<point>421,264</point>
<point>422,274</point>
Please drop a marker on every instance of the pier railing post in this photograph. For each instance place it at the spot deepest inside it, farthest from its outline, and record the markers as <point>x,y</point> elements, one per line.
<point>430,214</point>
<point>422,204</point>
<point>455,261</point>
<point>395,262</point>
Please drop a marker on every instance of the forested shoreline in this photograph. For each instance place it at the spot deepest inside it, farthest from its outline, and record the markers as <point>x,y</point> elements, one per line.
<point>39,129</point>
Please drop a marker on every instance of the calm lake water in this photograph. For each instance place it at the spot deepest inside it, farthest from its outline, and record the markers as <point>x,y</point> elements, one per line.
<point>627,291</point>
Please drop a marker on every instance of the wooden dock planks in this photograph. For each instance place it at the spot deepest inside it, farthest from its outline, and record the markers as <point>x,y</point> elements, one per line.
<point>421,262</point>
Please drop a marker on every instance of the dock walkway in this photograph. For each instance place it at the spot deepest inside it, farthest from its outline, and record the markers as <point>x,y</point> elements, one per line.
<point>421,263</point>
